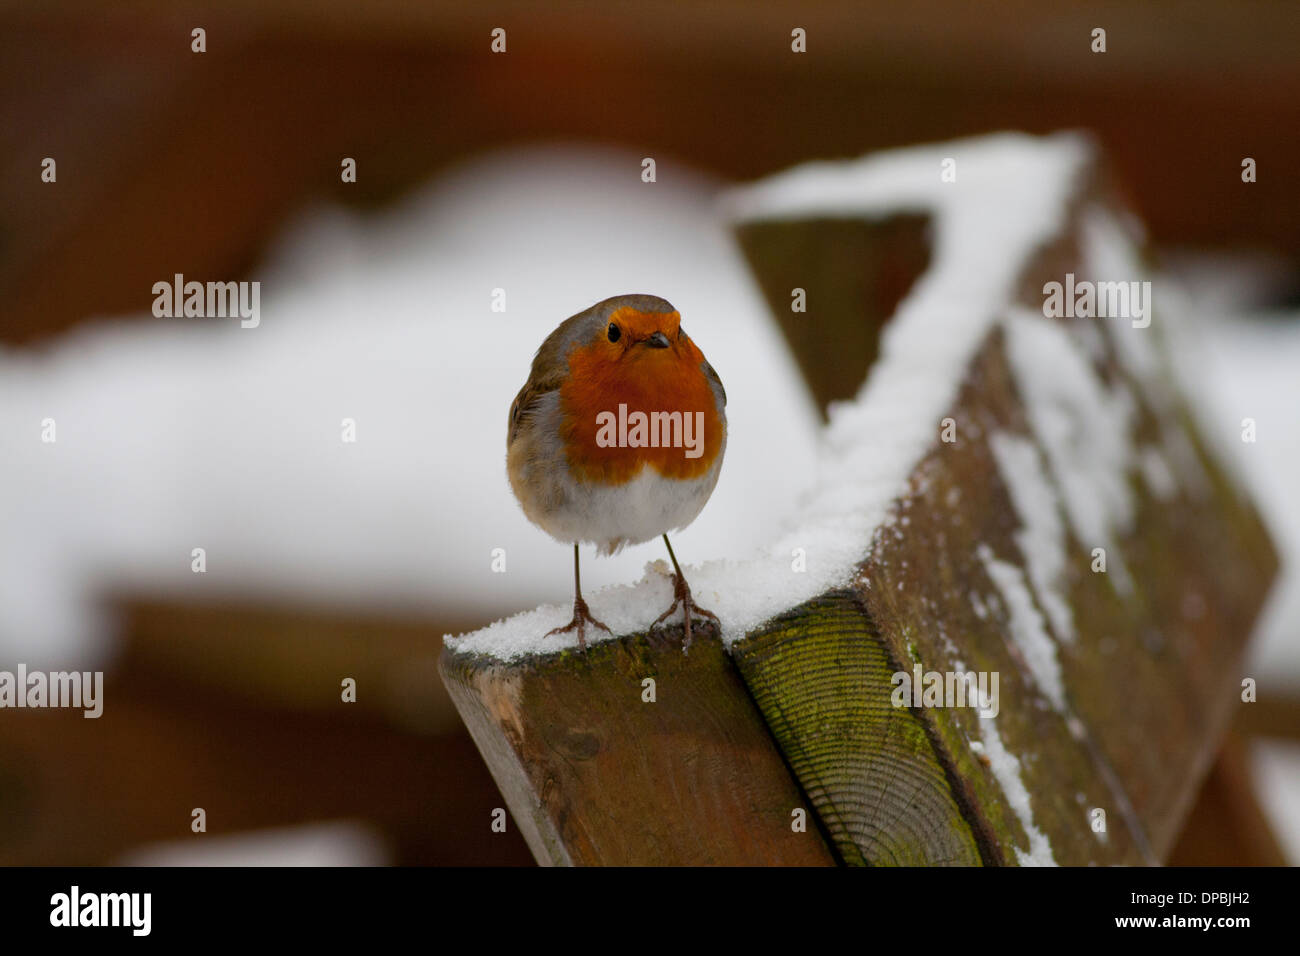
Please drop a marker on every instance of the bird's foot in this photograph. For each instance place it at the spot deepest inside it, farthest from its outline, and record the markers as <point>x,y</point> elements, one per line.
<point>682,598</point>
<point>581,618</point>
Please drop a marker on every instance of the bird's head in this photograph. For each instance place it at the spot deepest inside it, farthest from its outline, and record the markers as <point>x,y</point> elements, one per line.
<point>637,329</point>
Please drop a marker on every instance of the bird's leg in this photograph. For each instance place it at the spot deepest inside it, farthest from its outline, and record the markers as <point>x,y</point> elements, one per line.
<point>682,596</point>
<point>581,615</point>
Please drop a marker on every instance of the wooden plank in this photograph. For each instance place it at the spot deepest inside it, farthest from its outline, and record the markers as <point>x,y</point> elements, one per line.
<point>1164,658</point>
<point>1115,687</point>
<point>821,676</point>
<point>854,271</point>
<point>918,586</point>
<point>593,774</point>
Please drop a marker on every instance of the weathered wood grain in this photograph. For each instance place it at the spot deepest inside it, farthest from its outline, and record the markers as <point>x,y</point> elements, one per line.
<point>821,677</point>
<point>918,586</point>
<point>1105,724</point>
<point>1149,684</point>
<point>594,774</point>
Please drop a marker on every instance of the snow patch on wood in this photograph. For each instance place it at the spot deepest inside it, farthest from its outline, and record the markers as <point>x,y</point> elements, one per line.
<point>1084,428</point>
<point>1006,768</point>
<point>1160,480</point>
<point>1026,627</point>
<point>1041,537</point>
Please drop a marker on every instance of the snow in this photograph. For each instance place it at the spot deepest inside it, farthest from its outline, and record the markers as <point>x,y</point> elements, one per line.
<point>176,433</point>
<point>1083,427</point>
<point>1236,366</point>
<point>1160,480</point>
<point>1027,627</point>
<point>1011,196</point>
<point>1006,768</point>
<point>1250,371</point>
<point>1276,766</point>
<point>336,843</point>
<point>1041,537</point>
<point>1110,255</point>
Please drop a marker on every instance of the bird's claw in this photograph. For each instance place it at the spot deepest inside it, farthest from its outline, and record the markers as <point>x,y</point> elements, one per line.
<point>682,598</point>
<point>581,618</point>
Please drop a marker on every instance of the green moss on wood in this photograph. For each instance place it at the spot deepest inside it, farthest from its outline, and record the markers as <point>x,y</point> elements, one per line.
<point>821,677</point>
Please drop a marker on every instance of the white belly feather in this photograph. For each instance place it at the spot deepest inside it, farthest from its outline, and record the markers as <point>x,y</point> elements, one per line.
<point>612,516</point>
<point>609,516</point>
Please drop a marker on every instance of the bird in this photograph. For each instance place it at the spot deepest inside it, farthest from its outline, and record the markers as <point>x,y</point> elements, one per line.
<point>617,437</point>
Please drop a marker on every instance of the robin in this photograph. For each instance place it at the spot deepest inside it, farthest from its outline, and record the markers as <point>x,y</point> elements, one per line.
<point>617,437</point>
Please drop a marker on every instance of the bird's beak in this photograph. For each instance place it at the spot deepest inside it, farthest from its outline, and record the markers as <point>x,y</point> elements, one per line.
<point>657,341</point>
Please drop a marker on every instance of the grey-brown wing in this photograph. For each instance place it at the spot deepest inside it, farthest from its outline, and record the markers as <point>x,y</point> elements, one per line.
<point>549,366</point>
<point>716,382</point>
<point>525,404</point>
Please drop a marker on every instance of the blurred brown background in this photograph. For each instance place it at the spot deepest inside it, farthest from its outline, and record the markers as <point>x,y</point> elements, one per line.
<point>171,161</point>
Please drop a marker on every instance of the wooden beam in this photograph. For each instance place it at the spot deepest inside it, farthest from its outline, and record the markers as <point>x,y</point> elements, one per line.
<point>594,773</point>
<point>821,676</point>
<point>1116,684</point>
<point>1166,657</point>
<point>856,270</point>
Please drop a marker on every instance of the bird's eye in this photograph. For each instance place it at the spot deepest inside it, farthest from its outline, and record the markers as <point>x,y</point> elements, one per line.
<point>614,332</point>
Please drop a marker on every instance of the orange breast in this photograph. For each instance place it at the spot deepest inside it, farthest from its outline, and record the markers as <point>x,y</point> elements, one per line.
<point>654,383</point>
